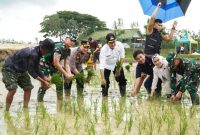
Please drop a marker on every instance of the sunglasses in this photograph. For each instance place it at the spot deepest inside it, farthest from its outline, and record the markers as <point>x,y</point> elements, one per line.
<point>86,47</point>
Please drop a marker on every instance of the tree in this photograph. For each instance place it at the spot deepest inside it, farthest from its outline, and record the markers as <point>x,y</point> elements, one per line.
<point>118,26</point>
<point>67,21</point>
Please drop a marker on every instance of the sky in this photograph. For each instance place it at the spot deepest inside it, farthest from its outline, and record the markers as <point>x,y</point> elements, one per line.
<point>20,19</point>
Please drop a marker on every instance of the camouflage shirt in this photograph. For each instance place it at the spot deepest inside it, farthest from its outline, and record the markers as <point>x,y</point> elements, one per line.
<point>190,72</point>
<point>46,62</point>
<point>77,58</point>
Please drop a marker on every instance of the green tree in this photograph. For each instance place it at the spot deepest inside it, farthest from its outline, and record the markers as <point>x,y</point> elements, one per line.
<point>67,21</point>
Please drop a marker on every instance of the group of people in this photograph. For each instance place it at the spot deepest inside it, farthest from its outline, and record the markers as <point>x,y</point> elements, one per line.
<point>49,58</point>
<point>176,74</point>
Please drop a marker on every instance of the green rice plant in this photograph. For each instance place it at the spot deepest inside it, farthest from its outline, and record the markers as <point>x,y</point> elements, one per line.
<point>128,68</point>
<point>81,78</point>
<point>62,127</point>
<point>104,112</point>
<point>57,80</point>
<point>95,110</point>
<point>76,123</point>
<point>150,122</point>
<point>192,112</point>
<point>90,74</point>
<point>27,119</point>
<point>91,128</point>
<point>118,68</point>
<point>37,126</point>
<point>55,123</point>
<point>130,123</point>
<point>107,130</point>
<point>183,125</point>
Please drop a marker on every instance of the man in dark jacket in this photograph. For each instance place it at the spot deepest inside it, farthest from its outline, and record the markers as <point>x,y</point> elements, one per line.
<point>17,67</point>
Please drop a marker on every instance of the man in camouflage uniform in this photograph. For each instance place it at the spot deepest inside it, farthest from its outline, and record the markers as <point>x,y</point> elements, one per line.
<point>79,55</point>
<point>185,75</point>
<point>17,67</point>
<point>51,64</point>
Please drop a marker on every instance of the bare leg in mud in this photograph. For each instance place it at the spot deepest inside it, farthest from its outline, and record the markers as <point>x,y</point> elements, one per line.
<point>27,95</point>
<point>9,99</point>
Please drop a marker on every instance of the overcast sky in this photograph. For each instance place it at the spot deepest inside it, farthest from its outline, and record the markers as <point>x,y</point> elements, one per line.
<point>20,19</point>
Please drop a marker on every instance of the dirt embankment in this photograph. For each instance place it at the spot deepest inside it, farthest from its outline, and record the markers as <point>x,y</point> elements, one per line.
<point>4,53</point>
<point>7,50</point>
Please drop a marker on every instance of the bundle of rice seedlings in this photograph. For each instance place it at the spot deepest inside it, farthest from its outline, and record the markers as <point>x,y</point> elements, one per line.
<point>118,68</point>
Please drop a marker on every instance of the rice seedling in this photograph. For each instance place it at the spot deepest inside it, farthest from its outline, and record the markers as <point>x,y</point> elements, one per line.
<point>128,68</point>
<point>90,74</point>
<point>118,68</point>
<point>130,123</point>
<point>57,80</point>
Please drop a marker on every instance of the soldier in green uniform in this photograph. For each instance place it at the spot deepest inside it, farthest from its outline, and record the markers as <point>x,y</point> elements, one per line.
<point>51,63</point>
<point>185,75</point>
<point>79,55</point>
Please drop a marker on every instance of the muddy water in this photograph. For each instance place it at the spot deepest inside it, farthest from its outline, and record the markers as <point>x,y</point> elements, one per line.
<point>92,112</point>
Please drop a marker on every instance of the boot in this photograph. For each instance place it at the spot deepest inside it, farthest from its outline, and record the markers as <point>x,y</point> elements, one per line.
<point>122,90</point>
<point>104,91</point>
<point>40,94</point>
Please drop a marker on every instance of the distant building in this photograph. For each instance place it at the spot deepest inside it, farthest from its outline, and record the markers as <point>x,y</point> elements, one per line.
<point>132,37</point>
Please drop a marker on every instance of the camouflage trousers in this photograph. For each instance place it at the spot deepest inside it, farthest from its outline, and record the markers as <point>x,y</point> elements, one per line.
<point>12,79</point>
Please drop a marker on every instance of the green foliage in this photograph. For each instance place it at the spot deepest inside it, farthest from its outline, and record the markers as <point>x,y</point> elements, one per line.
<point>80,77</point>
<point>57,80</point>
<point>83,24</point>
<point>127,68</point>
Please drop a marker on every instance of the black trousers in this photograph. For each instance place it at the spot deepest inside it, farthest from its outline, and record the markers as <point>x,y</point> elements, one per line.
<point>79,86</point>
<point>120,79</point>
<point>148,83</point>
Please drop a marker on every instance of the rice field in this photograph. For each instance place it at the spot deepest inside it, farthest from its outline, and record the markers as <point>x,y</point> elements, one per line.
<point>93,114</point>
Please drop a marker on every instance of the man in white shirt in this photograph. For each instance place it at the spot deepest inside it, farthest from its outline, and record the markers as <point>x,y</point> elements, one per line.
<point>110,53</point>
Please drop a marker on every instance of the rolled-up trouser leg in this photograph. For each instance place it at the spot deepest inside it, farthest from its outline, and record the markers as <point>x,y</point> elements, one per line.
<point>67,88</point>
<point>194,97</point>
<point>106,86</point>
<point>80,87</point>
<point>104,90</point>
<point>121,81</point>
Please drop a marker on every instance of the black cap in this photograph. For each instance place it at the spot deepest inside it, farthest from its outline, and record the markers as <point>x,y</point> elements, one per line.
<point>85,42</point>
<point>110,37</point>
<point>157,21</point>
<point>47,45</point>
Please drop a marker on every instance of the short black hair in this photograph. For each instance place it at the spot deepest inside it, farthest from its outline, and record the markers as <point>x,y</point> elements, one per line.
<point>136,53</point>
<point>158,21</point>
<point>90,39</point>
<point>47,45</point>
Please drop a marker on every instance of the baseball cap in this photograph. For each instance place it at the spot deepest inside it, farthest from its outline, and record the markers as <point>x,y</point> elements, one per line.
<point>71,36</point>
<point>85,43</point>
<point>110,37</point>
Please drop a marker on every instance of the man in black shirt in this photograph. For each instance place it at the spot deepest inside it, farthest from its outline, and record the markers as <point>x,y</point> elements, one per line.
<point>155,34</point>
<point>144,68</point>
<point>17,67</point>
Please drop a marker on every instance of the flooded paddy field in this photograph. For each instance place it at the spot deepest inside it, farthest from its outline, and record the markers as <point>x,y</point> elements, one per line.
<point>93,114</point>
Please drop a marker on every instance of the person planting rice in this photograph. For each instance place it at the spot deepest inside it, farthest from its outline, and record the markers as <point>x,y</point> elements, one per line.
<point>111,53</point>
<point>189,72</point>
<point>17,67</point>
<point>51,63</point>
<point>79,55</point>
